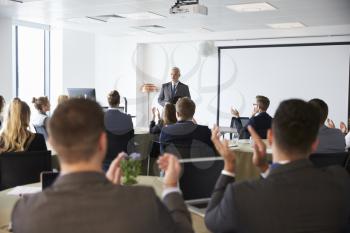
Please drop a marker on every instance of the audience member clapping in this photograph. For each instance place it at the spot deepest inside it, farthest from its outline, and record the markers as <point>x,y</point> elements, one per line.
<point>294,196</point>
<point>260,119</point>
<point>331,140</point>
<point>84,199</point>
<point>169,117</point>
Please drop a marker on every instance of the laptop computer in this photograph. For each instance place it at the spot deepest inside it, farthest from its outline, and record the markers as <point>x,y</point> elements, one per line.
<point>198,181</point>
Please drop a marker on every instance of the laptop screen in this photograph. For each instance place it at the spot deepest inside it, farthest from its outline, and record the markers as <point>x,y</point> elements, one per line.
<point>199,177</point>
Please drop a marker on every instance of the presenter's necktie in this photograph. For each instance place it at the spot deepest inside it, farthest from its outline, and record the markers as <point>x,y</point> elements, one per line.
<point>173,90</point>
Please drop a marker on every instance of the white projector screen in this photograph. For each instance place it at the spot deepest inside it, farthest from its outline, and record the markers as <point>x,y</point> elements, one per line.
<point>281,72</point>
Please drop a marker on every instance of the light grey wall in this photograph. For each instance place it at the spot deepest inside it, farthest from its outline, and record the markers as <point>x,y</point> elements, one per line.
<point>6,68</point>
<point>78,59</point>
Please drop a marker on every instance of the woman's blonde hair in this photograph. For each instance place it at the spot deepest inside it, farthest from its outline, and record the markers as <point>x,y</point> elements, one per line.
<point>62,98</point>
<point>15,133</point>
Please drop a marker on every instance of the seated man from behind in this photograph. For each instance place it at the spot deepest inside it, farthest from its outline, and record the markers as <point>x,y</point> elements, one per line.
<point>295,196</point>
<point>260,120</point>
<point>186,133</point>
<point>330,140</point>
<point>83,198</point>
<point>116,121</point>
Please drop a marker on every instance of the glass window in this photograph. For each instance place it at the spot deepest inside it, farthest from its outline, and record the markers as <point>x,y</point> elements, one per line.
<point>30,63</point>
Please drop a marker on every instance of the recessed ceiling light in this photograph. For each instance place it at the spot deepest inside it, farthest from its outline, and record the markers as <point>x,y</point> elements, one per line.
<point>252,7</point>
<point>197,30</point>
<point>85,20</point>
<point>142,15</point>
<point>289,25</point>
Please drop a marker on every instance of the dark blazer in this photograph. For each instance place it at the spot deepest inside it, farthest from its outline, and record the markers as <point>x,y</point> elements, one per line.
<point>166,95</point>
<point>117,122</point>
<point>330,140</point>
<point>189,134</point>
<point>87,202</point>
<point>295,197</point>
<point>155,128</point>
<point>261,123</point>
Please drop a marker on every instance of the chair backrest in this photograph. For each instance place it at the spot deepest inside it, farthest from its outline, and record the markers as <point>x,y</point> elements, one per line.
<point>41,130</point>
<point>324,160</point>
<point>239,123</point>
<point>20,168</point>
<point>118,143</point>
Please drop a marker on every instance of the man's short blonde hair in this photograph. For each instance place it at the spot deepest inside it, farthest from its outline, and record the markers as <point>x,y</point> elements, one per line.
<point>185,108</point>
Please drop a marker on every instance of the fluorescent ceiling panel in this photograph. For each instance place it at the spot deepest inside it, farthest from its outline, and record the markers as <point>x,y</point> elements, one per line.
<point>288,25</point>
<point>252,7</point>
<point>142,16</point>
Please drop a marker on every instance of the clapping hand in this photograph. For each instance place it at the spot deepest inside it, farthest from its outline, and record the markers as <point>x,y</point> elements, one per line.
<point>114,173</point>
<point>223,149</point>
<point>259,156</point>
<point>171,166</point>
<point>234,112</point>
<point>330,123</point>
<point>343,127</point>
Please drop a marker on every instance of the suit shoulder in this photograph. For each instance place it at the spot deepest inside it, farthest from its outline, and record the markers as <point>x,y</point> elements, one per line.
<point>27,202</point>
<point>165,84</point>
<point>182,84</point>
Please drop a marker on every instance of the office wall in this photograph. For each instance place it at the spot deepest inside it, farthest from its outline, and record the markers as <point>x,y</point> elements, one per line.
<point>6,72</point>
<point>78,59</point>
<point>115,69</point>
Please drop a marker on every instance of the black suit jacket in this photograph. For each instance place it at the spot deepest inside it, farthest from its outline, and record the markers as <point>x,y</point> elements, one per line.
<point>87,202</point>
<point>166,96</point>
<point>189,135</point>
<point>261,123</point>
<point>295,197</point>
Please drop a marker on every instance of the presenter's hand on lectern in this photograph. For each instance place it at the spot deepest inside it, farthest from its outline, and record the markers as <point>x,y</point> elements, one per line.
<point>171,166</point>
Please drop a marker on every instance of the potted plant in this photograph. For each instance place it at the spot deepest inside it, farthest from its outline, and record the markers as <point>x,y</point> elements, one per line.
<point>131,167</point>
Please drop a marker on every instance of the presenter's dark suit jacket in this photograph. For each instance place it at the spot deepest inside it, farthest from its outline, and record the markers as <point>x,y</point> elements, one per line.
<point>295,197</point>
<point>117,122</point>
<point>261,123</point>
<point>88,203</point>
<point>188,134</point>
<point>166,96</point>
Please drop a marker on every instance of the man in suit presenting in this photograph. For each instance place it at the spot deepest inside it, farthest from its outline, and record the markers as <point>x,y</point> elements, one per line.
<point>295,196</point>
<point>173,90</point>
<point>84,199</point>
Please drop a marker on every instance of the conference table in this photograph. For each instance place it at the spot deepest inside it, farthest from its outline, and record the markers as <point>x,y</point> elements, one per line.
<point>7,202</point>
<point>245,169</point>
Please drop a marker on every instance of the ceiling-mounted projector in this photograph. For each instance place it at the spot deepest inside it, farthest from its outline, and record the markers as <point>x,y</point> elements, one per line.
<point>188,7</point>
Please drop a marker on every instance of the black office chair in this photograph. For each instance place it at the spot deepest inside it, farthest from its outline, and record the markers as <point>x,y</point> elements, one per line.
<point>328,159</point>
<point>20,168</point>
<point>239,123</point>
<point>116,144</point>
<point>41,130</point>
